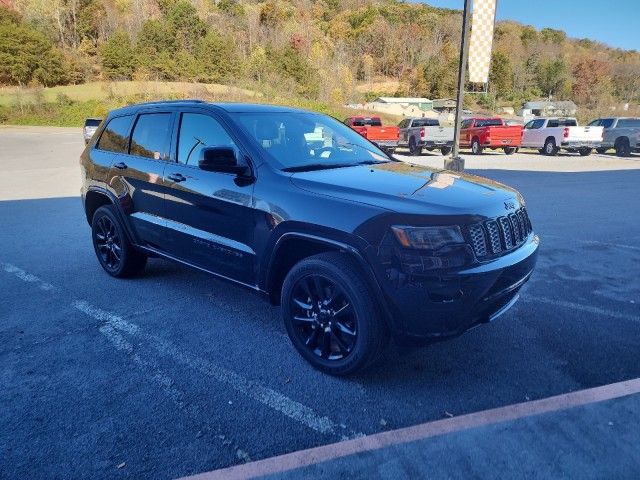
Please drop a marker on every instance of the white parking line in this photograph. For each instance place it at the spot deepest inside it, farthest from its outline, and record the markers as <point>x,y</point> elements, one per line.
<point>268,397</point>
<point>165,382</point>
<point>26,277</point>
<point>601,312</point>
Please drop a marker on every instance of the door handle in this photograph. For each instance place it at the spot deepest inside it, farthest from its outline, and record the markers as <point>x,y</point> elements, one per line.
<point>121,165</point>
<point>177,177</point>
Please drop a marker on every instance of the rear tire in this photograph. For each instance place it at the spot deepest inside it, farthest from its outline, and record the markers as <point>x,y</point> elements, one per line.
<point>331,314</point>
<point>509,150</point>
<point>623,148</point>
<point>585,152</point>
<point>117,256</point>
<point>445,151</point>
<point>476,148</point>
<point>550,148</point>
<point>414,149</point>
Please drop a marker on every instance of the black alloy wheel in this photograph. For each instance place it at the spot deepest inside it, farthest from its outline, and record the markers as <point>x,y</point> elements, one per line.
<point>323,317</point>
<point>332,315</point>
<point>117,256</point>
<point>108,243</point>
<point>623,147</point>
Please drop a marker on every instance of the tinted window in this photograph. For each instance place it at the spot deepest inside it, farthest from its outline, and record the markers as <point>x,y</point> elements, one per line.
<point>150,136</point>
<point>196,132</point>
<point>489,122</point>
<point>594,123</point>
<point>115,137</point>
<point>466,123</point>
<point>364,122</point>
<point>607,122</point>
<point>629,122</point>
<point>537,124</point>
<point>562,122</point>
<point>92,122</point>
<point>425,122</point>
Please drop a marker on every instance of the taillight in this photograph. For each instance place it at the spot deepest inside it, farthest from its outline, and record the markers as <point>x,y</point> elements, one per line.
<point>422,132</point>
<point>565,132</point>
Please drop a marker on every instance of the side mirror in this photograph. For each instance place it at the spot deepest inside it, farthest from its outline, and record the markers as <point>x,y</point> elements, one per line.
<point>221,159</point>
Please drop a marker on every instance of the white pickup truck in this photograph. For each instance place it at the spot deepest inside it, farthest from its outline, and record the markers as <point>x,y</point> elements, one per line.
<point>419,133</point>
<point>549,135</point>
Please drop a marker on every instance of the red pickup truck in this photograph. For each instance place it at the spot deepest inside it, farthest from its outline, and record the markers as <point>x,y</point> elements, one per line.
<point>494,133</point>
<point>371,128</point>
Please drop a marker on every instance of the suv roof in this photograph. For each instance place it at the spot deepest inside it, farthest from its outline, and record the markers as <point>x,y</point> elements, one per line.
<point>228,107</point>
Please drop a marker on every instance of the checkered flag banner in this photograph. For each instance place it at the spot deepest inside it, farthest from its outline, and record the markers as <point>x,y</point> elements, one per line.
<point>484,14</point>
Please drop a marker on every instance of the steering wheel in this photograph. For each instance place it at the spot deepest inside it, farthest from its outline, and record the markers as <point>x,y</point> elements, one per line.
<point>319,151</point>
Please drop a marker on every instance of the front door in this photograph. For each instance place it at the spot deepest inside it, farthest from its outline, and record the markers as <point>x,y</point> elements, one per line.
<point>209,214</point>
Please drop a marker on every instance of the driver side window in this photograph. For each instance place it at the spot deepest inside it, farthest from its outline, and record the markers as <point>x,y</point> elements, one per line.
<point>198,131</point>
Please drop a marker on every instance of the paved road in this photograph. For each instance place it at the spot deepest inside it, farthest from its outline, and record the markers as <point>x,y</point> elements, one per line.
<point>178,373</point>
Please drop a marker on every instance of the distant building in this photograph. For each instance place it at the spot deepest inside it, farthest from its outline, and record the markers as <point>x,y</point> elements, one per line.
<point>546,108</point>
<point>422,103</point>
<point>444,105</point>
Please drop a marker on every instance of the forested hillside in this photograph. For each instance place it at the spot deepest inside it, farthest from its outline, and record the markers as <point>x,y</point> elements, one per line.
<point>320,50</point>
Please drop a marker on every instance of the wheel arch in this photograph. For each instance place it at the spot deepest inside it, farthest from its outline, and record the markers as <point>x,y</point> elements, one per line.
<point>292,247</point>
<point>97,197</point>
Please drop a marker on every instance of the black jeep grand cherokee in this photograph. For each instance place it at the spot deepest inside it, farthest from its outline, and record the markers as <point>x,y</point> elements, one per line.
<point>354,246</point>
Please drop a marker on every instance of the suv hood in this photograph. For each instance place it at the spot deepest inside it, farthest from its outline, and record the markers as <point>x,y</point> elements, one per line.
<point>412,189</point>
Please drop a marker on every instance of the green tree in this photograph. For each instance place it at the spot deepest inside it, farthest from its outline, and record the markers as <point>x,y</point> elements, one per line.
<point>218,58</point>
<point>118,59</point>
<point>188,27</point>
<point>501,75</point>
<point>27,55</point>
<point>553,77</point>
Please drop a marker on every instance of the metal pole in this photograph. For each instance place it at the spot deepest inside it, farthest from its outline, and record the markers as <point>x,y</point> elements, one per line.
<point>455,162</point>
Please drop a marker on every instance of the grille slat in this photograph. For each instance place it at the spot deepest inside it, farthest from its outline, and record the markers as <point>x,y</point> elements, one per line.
<point>477,240</point>
<point>500,234</point>
<point>494,236</point>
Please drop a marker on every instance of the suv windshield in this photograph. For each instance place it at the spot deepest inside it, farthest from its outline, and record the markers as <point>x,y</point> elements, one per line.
<point>301,140</point>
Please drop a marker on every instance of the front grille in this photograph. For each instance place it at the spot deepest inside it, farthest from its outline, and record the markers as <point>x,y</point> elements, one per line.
<point>499,235</point>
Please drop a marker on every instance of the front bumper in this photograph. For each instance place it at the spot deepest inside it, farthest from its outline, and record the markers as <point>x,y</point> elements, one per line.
<point>427,308</point>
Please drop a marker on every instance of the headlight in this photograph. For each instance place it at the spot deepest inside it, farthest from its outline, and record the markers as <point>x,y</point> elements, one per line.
<point>428,238</point>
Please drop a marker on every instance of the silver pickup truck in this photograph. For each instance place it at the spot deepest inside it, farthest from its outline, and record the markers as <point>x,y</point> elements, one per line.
<point>419,133</point>
<point>620,133</point>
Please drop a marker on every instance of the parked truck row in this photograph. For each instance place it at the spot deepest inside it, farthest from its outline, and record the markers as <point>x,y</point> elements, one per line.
<point>547,135</point>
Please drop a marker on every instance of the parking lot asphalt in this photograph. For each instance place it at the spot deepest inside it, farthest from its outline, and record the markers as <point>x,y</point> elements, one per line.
<point>177,372</point>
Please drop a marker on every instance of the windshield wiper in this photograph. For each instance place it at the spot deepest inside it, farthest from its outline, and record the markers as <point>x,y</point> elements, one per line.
<point>317,166</point>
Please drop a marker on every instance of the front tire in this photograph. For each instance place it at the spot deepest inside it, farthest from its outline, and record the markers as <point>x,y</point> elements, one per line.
<point>330,314</point>
<point>117,256</point>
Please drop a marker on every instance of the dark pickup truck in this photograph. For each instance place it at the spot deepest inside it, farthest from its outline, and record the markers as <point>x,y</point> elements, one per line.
<point>356,248</point>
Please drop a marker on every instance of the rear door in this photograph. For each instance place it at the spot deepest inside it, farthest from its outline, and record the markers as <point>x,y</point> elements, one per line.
<point>136,174</point>
<point>209,214</point>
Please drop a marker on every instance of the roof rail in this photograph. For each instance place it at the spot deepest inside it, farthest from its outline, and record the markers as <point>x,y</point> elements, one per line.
<point>186,100</point>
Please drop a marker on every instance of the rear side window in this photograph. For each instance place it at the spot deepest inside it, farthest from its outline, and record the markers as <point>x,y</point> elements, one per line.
<point>115,137</point>
<point>150,137</point>
<point>92,122</point>
<point>198,131</point>
<point>629,122</point>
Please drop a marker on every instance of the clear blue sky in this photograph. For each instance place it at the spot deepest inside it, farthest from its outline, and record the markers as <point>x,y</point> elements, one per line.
<point>614,22</point>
